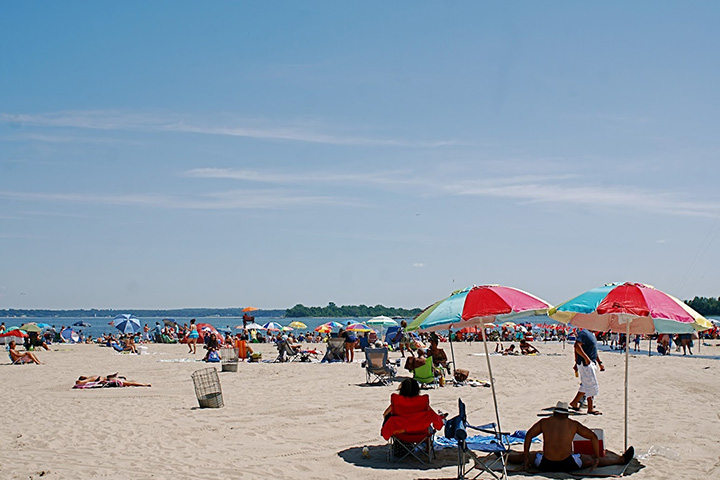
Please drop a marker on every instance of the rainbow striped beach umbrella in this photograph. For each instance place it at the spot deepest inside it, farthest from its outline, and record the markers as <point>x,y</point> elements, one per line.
<point>629,308</point>
<point>358,327</point>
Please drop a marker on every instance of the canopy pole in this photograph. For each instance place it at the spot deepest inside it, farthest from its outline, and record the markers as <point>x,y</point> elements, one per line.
<point>699,334</point>
<point>452,352</point>
<point>492,386</point>
<point>627,356</point>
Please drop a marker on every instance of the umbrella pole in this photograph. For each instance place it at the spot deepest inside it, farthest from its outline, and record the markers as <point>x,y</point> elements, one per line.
<point>452,352</point>
<point>492,380</point>
<point>492,386</point>
<point>627,346</point>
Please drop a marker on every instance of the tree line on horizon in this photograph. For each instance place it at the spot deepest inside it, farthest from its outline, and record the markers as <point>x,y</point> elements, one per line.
<point>705,306</point>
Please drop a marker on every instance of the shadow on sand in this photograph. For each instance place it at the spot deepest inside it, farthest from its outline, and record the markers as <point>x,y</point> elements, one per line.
<point>378,459</point>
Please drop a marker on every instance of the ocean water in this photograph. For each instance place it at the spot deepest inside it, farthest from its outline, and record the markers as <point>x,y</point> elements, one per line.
<point>100,325</point>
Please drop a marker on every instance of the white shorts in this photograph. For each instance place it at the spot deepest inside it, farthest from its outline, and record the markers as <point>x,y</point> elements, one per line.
<point>588,380</point>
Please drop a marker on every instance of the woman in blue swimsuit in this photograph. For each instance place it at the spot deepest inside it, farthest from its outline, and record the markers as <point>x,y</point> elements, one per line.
<point>192,337</point>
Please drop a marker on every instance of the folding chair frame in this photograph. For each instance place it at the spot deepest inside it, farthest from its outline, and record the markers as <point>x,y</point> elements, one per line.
<point>286,353</point>
<point>382,374</point>
<point>416,449</point>
<point>335,349</point>
<point>478,463</point>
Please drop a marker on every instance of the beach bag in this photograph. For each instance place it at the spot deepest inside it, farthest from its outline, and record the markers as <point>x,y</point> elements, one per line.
<point>213,356</point>
<point>461,375</point>
<point>414,362</point>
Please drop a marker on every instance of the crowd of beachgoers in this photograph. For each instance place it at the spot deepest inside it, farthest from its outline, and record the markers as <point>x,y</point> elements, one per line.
<point>212,339</point>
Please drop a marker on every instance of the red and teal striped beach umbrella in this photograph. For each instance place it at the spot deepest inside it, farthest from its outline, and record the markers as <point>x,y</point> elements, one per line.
<point>629,308</point>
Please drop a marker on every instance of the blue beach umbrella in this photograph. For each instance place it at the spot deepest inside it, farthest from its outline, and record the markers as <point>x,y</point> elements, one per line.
<point>273,326</point>
<point>43,325</point>
<point>126,323</point>
<point>70,335</point>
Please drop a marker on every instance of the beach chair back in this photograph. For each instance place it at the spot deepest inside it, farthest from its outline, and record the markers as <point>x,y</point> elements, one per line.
<point>285,352</point>
<point>377,358</point>
<point>337,346</point>
<point>377,366</point>
<point>411,429</point>
<point>425,374</point>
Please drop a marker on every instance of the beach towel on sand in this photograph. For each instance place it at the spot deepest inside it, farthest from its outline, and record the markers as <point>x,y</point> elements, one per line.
<point>106,384</point>
<point>484,443</point>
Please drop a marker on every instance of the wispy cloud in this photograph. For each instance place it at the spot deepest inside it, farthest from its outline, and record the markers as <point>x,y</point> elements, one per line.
<point>418,265</point>
<point>235,199</point>
<point>300,131</point>
<point>569,189</point>
<point>578,193</point>
<point>60,139</point>
<point>303,178</point>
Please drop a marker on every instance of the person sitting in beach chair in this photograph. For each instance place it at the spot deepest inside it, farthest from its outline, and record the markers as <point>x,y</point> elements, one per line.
<point>34,340</point>
<point>558,432</point>
<point>335,349</point>
<point>287,352</point>
<point>18,358</point>
<point>244,350</point>
<point>410,423</point>
<point>438,355</point>
<point>426,374</point>
<point>377,366</point>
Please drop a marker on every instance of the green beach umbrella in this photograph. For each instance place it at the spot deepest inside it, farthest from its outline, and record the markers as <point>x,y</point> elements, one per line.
<point>31,327</point>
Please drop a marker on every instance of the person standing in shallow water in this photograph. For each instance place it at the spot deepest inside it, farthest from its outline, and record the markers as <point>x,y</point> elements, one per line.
<point>193,335</point>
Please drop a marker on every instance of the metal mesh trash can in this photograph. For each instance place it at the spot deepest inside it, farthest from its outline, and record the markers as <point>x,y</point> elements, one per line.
<point>207,388</point>
<point>229,358</point>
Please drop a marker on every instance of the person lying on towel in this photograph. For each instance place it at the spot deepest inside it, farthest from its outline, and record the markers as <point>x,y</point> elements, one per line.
<point>526,348</point>
<point>558,432</point>
<point>112,380</point>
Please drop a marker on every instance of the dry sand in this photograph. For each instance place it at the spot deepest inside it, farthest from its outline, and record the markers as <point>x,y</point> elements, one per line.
<point>309,420</point>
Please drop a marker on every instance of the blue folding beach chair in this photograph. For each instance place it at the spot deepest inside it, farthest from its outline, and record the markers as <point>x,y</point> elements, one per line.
<point>456,428</point>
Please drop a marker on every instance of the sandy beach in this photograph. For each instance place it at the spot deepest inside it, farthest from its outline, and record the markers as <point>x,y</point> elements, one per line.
<point>310,420</point>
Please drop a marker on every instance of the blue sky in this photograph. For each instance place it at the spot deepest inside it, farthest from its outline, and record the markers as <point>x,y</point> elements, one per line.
<point>218,154</point>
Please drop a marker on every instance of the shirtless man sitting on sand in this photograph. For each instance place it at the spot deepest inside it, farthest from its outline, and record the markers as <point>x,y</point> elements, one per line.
<point>558,432</point>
